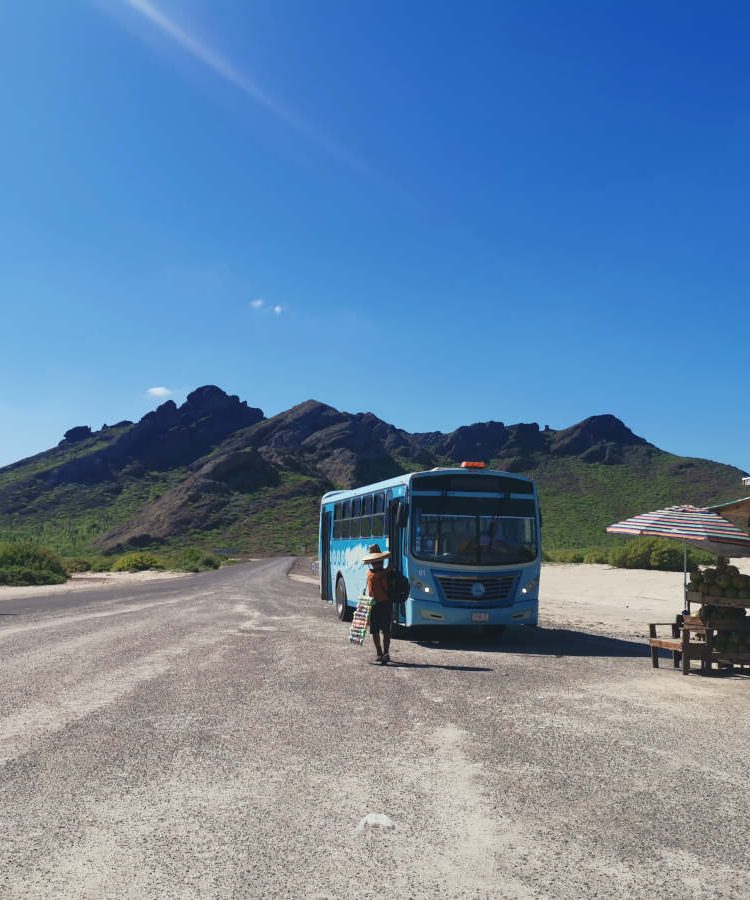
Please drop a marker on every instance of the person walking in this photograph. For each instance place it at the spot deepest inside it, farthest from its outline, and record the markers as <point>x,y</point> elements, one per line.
<point>382,610</point>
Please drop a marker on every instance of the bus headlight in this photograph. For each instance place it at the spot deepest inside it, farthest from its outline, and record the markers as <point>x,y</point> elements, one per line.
<point>531,586</point>
<point>420,586</point>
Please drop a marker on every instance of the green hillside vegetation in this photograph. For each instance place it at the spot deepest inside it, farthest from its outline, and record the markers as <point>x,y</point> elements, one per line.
<point>271,520</point>
<point>70,517</point>
<point>579,500</point>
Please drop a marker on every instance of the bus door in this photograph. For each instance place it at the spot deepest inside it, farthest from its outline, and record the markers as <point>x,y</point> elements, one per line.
<point>325,558</point>
<point>396,524</point>
<point>396,533</point>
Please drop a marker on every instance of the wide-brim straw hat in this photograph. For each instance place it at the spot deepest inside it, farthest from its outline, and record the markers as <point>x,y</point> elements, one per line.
<point>374,553</point>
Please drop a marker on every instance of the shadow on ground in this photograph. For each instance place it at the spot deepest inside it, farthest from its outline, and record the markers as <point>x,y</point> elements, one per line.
<point>533,641</point>
<point>397,664</point>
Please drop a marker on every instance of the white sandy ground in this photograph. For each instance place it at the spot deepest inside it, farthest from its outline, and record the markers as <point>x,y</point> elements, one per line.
<point>615,601</point>
<point>86,581</point>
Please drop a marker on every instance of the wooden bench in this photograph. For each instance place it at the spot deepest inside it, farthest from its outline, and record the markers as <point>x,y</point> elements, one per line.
<point>683,650</point>
<point>672,643</point>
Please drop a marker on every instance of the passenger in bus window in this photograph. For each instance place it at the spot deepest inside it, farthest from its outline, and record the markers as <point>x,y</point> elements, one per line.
<point>382,610</point>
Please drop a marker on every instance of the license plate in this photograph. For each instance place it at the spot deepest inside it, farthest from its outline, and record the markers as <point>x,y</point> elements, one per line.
<point>480,617</point>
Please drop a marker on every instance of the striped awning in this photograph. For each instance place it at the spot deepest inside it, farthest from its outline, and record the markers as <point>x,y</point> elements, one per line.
<point>693,524</point>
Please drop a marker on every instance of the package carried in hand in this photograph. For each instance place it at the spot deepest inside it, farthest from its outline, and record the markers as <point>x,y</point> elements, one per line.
<point>361,621</point>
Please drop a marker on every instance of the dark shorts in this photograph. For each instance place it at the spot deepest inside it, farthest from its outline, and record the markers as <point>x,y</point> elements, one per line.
<point>380,618</point>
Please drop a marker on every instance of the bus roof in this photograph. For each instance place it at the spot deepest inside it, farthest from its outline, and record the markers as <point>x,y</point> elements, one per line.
<point>406,479</point>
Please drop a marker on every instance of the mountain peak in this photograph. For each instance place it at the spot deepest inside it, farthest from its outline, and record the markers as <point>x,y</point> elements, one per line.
<point>212,400</point>
<point>607,427</point>
<point>596,439</point>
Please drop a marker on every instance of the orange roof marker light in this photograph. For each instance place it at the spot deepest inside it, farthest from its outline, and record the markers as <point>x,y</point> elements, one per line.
<point>472,465</point>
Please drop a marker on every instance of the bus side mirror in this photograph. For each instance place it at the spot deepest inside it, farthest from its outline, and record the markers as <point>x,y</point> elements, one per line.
<point>402,516</point>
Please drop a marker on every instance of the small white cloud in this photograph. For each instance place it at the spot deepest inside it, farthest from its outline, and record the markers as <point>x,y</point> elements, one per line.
<point>278,309</point>
<point>257,304</point>
<point>159,392</point>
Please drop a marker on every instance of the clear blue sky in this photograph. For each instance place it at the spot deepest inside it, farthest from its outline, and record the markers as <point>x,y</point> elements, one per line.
<point>524,211</point>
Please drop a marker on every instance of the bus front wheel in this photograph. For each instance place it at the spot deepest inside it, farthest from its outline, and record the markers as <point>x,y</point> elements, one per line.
<point>342,609</point>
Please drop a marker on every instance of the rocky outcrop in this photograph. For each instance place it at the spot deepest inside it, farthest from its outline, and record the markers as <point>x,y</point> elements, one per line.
<point>92,469</point>
<point>481,441</point>
<point>172,436</point>
<point>79,433</point>
<point>344,448</point>
<point>169,437</point>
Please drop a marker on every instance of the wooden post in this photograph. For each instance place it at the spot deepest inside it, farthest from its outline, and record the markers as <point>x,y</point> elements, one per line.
<point>685,651</point>
<point>708,661</point>
<point>654,650</point>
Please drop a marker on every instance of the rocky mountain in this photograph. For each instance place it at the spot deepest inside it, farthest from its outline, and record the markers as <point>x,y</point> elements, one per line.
<point>216,472</point>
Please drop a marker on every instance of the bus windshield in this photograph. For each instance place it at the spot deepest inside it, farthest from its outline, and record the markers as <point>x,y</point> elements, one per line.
<point>474,531</point>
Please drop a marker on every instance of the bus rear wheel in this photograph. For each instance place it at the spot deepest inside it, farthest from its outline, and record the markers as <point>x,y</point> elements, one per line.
<point>342,609</point>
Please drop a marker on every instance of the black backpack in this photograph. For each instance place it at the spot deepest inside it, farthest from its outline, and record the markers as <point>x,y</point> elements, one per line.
<point>398,586</point>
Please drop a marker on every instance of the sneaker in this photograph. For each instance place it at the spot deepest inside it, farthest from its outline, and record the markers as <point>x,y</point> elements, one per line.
<point>386,658</point>
<point>378,657</point>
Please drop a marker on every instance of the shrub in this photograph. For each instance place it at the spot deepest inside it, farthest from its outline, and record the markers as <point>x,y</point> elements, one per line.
<point>638,553</point>
<point>27,564</point>
<point>654,553</point>
<point>138,561</point>
<point>599,556</point>
<point>667,557</point>
<point>77,564</point>
<point>194,560</point>
<point>565,556</point>
<point>21,576</point>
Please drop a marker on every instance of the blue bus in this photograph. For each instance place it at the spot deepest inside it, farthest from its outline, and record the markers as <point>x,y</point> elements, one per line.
<point>468,540</point>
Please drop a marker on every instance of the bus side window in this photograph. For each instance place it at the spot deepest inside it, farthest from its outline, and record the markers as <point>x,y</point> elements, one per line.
<point>356,513</point>
<point>346,512</point>
<point>378,515</point>
<point>337,520</point>
<point>366,529</point>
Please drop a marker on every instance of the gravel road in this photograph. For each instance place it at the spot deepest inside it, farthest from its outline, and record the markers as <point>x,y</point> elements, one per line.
<point>215,736</point>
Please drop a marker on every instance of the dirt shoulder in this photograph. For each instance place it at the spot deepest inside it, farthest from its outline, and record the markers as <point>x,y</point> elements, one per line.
<point>304,569</point>
<point>86,581</point>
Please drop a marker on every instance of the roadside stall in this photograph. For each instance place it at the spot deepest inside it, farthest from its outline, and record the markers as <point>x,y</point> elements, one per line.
<point>713,628</point>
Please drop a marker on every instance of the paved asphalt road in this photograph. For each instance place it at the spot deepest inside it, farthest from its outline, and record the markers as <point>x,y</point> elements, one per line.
<point>215,736</point>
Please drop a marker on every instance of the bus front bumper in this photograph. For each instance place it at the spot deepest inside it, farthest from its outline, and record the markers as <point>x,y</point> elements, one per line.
<point>421,613</point>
